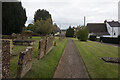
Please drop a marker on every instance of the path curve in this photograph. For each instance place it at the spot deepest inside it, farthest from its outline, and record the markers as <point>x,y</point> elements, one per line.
<point>71,64</point>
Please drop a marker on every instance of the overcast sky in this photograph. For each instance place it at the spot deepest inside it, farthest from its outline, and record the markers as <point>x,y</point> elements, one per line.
<point>72,12</point>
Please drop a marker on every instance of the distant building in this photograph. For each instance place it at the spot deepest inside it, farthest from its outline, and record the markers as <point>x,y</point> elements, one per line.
<point>106,29</point>
<point>98,29</point>
<point>119,11</point>
<point>113,28</point>
<point>63,31</point>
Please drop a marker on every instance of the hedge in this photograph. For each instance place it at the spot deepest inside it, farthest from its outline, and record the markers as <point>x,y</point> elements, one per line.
<point>110,40</point>
<point>93,38</point>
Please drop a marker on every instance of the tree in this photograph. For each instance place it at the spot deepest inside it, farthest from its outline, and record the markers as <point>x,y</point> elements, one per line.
<point>70,32</point>
<point>82,33</point>
<point>56,28</point>
<point>31,27</point>
<point>42,15</point>
<point>13,17</point>
<point>43,27</point>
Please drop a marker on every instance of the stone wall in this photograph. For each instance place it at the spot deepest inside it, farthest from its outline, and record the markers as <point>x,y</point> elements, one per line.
<point>11,45</point>
<point>45,45</point>
<point>5,58</point>
<point>25,62</point>
<point>0,59</point>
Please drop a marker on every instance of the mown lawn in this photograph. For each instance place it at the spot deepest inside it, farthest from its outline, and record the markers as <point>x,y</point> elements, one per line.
<point>43,68</point>
<point>16,51</point>
<point>91,53</point>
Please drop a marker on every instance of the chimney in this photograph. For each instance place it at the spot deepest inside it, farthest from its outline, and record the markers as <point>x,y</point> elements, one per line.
<point>113,21</point>
<point>105,21</point>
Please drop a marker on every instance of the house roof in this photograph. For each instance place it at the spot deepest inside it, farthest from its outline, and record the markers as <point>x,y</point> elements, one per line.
<point>97,28</point>
<point>114,24</point>
<point>63,29</point>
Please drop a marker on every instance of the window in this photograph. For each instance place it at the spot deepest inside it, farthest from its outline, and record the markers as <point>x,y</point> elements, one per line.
<point>114,33</point>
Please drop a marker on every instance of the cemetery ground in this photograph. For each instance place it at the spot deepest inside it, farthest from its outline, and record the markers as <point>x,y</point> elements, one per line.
<point>43,68</point>
<point>91,53</point>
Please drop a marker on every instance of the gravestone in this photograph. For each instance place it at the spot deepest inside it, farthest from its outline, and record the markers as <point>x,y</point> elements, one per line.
<point>45,46</point>
<point>49,44</point>
<point>14,36</point>
<point>41,48</point>
<point>25,62</point>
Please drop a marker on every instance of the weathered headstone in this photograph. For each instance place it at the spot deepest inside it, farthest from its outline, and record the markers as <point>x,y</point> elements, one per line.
<point>55,43</point>
<point>49,44</point>
<point>24,42</point>
<point>14,36</point>
<point>41,48</point>
<point>45,45</point>
<point>25,62</point>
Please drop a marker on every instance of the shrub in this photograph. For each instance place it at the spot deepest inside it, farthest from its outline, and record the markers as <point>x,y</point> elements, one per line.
<point>70,32</point>
<point>82,33</point>
<point>93,38</point>
<point>109,40</point>
<point>43,27</point>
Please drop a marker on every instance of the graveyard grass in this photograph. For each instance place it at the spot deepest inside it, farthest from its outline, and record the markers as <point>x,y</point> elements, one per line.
<point>46,67</point>
<point>16,51</point>
<point>43,68</point>
<point>91,53</point>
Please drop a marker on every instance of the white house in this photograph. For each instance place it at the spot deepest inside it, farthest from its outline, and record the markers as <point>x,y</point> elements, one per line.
<point>106,29</point>
<point>113,29</point>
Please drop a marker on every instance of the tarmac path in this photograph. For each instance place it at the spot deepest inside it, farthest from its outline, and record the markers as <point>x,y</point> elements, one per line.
<point>71,64</point>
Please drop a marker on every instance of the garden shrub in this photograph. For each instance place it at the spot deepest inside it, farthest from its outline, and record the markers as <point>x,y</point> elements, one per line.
<point>82,33</point>
<point>109,40</point>
<point>93,37</point>
<point>70,32</point>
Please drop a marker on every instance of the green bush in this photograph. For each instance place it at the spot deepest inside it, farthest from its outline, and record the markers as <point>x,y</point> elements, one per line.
<point>43,27</point>
<point>93,38</point>
<point>70,32</point>
<point>82,33</point>
<point>112,40</point>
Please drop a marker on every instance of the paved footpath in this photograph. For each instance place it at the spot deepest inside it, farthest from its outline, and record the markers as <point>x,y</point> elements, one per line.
<point>71,64</point>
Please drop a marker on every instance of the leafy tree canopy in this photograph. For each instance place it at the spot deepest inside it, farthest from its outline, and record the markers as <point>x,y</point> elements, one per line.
<point>82,33</point>
<point>31,27</point>
<point>43,27</point>
<point>70,32</point>
<point>56,28</point>
<point>41,15</point>
<point>13,17</point>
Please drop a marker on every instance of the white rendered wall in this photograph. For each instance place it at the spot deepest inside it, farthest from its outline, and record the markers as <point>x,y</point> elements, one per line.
<point>112,30</point>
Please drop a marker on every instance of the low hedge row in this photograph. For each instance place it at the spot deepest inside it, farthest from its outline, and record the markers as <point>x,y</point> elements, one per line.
<point>93,37</point>
<point>110,40</point>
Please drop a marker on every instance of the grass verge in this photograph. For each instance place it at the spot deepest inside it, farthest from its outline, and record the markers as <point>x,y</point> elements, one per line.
<point>37,70</point>
<point>45,67</point>
<point>91,53</point>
